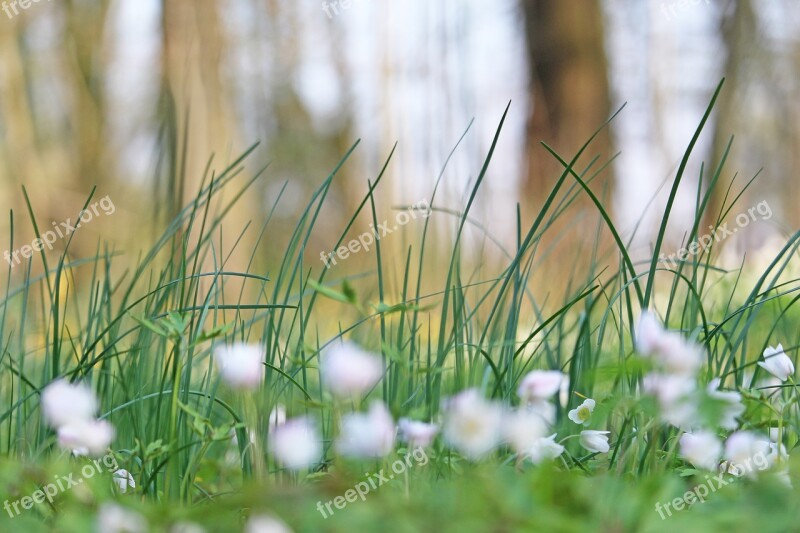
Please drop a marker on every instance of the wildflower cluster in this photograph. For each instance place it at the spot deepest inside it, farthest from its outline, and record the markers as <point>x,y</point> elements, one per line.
<point>674,383</point>
<point>70,409</point>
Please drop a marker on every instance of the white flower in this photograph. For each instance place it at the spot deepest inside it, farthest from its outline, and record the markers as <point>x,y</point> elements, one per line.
<point>94,436</point>
<point>472,424</point>
<point>112,518</point>
<point>544,410</point>
<point>65,403</point>
<point>769,385</point>
<point>368,435</point>
<point>266,524</point>
<point>668,389</point>
<point>743,449</point>
<point>671,351</point>
<point>674,396</point>
<point>417,434</point>
<point>649,333</point>
<point>522,428</point>
<point>733,407</point>
<point>777,363</point>
<point>540,385</point>
<point>595,441</point>
<point>277,417</point>
<point>545,449</point>
<point>677,355</point>
<point>241,365</point>
<point>296,443</point>
<point>348,371</point>
<point>582,413</point>
<point>702,449</point>
<point>124,479</point>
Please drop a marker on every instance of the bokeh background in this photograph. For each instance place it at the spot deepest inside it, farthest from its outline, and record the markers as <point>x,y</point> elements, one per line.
<point>135,96</point>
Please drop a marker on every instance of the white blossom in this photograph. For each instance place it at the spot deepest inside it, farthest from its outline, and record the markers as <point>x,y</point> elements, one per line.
<point>701,448</point>
<point>296,443</point>
<point>472,424</point>
<point>65,403</point>
<point>369,435</point>
<point>595,441</point>
<point>777,363</point>
<point>348,371</point>
<point>241,365</point>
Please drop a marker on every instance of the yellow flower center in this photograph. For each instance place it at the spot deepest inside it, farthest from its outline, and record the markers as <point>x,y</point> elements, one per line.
<point>584,413</point>
<point>472,426</point>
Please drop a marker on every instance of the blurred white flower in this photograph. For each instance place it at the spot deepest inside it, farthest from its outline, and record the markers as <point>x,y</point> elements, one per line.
<point>674,394</point>
<point>733,407</point>
<point>113,518</point>
<point>522,428</point>
<point>417,434</point>
<point>545,449</point>
<point>540,385</point>
<point>595,441</point>
<point>671,351</point>
<point>667,388</point>
<point>241,365</point>
<point>582,413</point>
<point>544,410</point>
<point>369,435</point>
<point>123,480</point>
<point>296,443</point>
<point>277,417</point>
<point>649,333</point>
<point>774,433</point>
<point>65,403</point>
<point>266,524</point>
<point>701,448</point>
<point>743,449</point>
<point>777,363</point>
<point>472,424</point>
<point>80,452</point>
<point>767,384</point>
<point>678,355</point>
<point>94,436</point>
<point>348,371</point>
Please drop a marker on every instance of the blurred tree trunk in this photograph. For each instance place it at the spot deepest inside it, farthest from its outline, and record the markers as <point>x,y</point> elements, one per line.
<point>194,45</point>
<point>568,87</point>
<point>86,42</point>
<point>739,32</point>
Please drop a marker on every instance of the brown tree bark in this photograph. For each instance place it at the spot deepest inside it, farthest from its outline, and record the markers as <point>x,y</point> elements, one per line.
<point>568,87</point>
